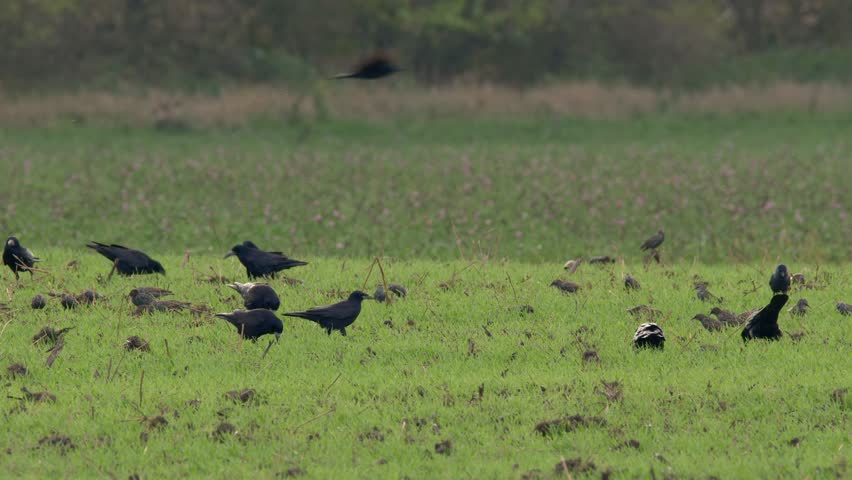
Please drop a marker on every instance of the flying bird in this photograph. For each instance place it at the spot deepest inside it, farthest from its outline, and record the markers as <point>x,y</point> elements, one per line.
<point>800,308</point>
<point>18,258</point>
<point>257,295</point>
<point>126,260</point>
<point>260,263</point>
<point>372,68</point>
<point>337,316</point>
<point>631,283</point>
<point>653,242</point>
<point>780,280</point>
<point>764,323</point>
<point>649,335</point>
<point>253,324</point>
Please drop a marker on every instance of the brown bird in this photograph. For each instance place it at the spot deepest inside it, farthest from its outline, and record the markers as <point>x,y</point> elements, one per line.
<point>726,317</point>
<point>764,323</point>
<point>653,242</point>
<point>565,286</point>
<point>645,310</point>
<point>800,308</point>
<point>709,323</point>
<point>601,259</point>
<point>571,265</point>
<point>155,292</point>
<point>798,279</point>
<point>38,302</point>
<point>703,294</point>
<point>649,335</point>
<point>631,283</point>
<point>844,308</point>
<point>88,297</point>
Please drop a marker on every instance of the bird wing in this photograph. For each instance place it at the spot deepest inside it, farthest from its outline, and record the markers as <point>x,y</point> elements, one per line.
<point>328,313</point>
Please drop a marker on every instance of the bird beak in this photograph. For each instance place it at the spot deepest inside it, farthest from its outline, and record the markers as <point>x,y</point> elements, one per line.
<point>368,297</point>
<point>230,254</point>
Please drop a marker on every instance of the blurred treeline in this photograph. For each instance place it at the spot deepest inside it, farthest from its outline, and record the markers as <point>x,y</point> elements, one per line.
<point>71,44</point>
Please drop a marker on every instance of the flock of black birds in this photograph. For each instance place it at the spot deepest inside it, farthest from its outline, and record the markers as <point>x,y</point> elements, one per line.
<point>261,301</point>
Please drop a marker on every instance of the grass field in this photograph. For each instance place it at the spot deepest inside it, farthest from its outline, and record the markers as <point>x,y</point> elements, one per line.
<point>489,207</point>
<point>461,365</point>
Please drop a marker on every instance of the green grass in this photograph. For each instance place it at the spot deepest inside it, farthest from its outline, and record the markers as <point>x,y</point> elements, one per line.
<point>540,190</point>
<point>705,406</point>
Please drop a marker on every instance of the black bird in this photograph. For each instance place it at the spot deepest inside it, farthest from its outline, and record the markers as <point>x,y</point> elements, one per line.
<point>653,242</point>
<point>259,263</point>
<point>800,308</point>
<point>126,260</point>
<point>780,280</point>
<point>844,308</point>
<point>764,323</point>
<point>631,283</point>
<point>254,323</point>
<point>337,316</point>
<point>18,258</point>
<point>38,302</point>
<point>257,295</point>
<point>377,66</point>
<point>649,335</point>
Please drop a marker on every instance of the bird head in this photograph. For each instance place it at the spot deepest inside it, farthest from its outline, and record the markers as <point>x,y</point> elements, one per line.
<point>715,310</point>
<point>782,270</point>
<point>359,295</point>
<point>237,250</point>
<point>158,267</point>
<point>803,303</point>
<point>12,242</point>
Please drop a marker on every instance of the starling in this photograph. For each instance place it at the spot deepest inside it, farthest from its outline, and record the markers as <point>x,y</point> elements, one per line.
<point>380,295</point>
<point>703,294</point>
<point>38,302</point>
<point>259,263</point>
<point>68,301</point>
<point>631,283</point>
<point>709,323</point>
<point>572,265</point>
<point>141,297</point>
<point>844,308</point>
<point>88,297</point>
<point>798,279</point>
<point>398,290</point>
<point>160,306</point>
<point>645,310</point>
<point>337,316</point>
<point>18,258</point>
<point>780,280</point>
<point>601,259</point>
<point>254,323</point>
<point>565,286</point>
<point>653,242</point>
<point>800,308</point>
<point>377,66</point>
<point>726,317</point>
<point>257,295</point>
<point>649,335</point>
<point>155,292</point>
<point>126,260</point>
<point>764,323</point>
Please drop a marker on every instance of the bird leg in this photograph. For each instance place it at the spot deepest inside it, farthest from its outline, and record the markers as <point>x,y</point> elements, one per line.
<point>113,269</point>
<point>343,331</point>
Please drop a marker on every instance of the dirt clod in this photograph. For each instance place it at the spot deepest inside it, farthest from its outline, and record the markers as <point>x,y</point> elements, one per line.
<point>243,396</point>
<point>444,448</point>
<point>62,442</point>
<point>567,424</point>
<point>16,370</point>
<point>574,465</point>
<point>38,397</point>
<point>373,434</point>
<point>294,472</point>
<point>223,431</point>
<point>590,356</point>
<point>136,342</point>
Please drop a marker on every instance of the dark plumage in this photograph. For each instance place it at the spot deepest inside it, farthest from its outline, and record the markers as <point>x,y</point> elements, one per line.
<point>800,308</point>
<point>18,258</point>
<point>764,323</point>
<point>601,259</point>
<point>257,295</point>
<point>141,297</point>
<point>68,301</point>
<point>780,280</point>
<point>653,242</point>
<point>703,294</point>
<point>398,290</point>
<point>126,260</point>
<point>259,263</point>
<point>38,302</point>
<point>631,283</point>
<point>709,323</point>
<point>565,286</point>
<point>726,317</point>
<point>844,308</point>
<point>649,335</point>
<point>337,316</point>
<point>254,323</point>
<point>89,297</point>
<point>380,295</point>
<point>377,66</point>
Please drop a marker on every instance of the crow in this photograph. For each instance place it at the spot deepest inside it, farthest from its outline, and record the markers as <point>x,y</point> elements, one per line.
<point>726,317</point>
<point>631,283</point>
<point>780,280</point>
<point>18,258</point>
<point>254,323</point>
<point>800,308</point>
<point>337,316</point>
<point>764,323</point>
<point>126,260</point>
<point>844,308</point>
<point>257,295</point>
<point>649,335</point>
<point>709,323</point>
<point>653,242</point>
<point>565,286</point>
<point>259,263</point>
<point>376,66</point>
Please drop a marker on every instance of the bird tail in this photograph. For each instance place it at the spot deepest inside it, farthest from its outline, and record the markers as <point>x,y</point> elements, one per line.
<point>342,75</point>
<point>300,315</point>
